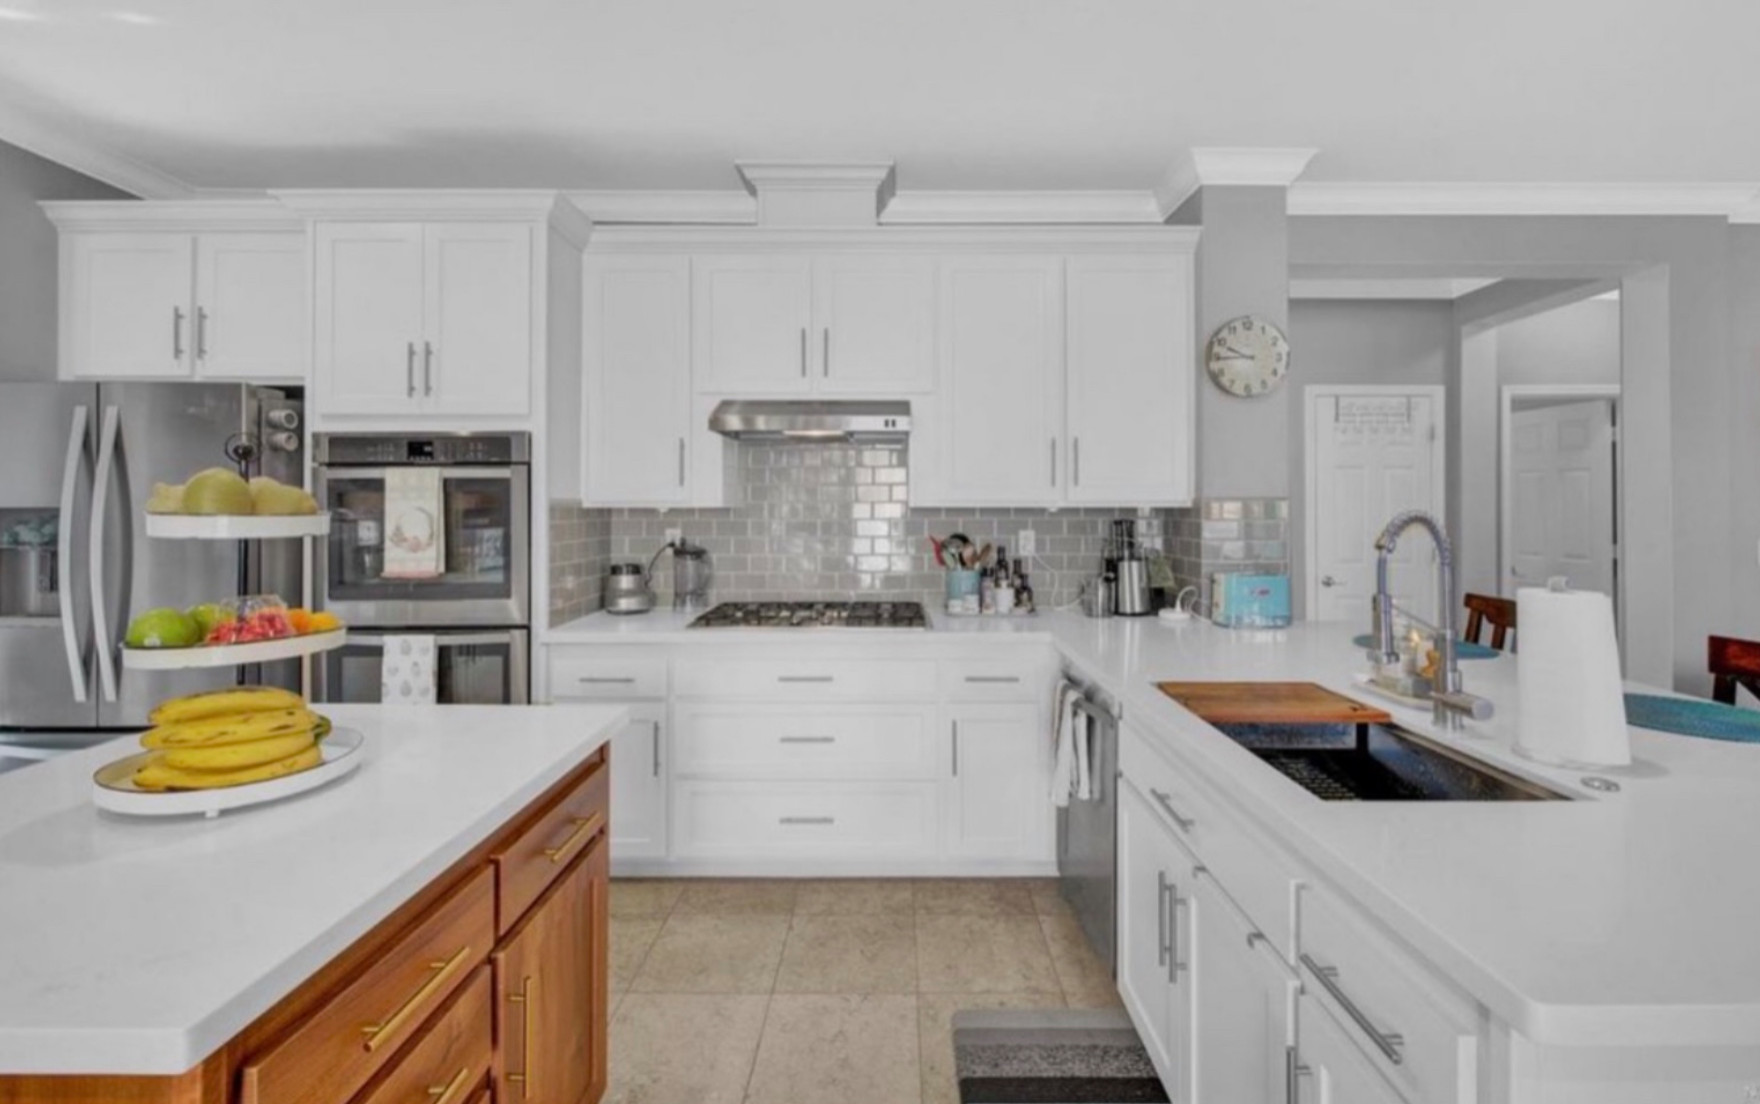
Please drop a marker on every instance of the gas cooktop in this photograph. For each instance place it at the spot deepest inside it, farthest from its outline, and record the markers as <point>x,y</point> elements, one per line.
<point>814,615</point>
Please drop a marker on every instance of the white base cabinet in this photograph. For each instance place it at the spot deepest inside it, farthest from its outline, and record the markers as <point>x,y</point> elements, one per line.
<point>999,799</point>
<point>638,784</point>
<point>1154,876</point>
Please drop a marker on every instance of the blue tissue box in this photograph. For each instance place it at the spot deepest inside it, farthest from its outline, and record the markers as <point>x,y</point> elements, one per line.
<point>1250,601</point>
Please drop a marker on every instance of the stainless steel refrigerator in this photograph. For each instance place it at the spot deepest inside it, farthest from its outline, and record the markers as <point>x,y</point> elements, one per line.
<point>77,465</point>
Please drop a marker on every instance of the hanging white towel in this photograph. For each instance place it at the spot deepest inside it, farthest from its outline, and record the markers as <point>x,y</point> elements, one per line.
<point>1063,725</point>
<point>415,529</point>
<point>1084,747</point>
<point>406,672</point>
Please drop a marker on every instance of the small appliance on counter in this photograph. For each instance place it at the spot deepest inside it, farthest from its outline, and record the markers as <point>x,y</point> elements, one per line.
<point>1130,592</point>
<point>626,589</point>
<point>692,573</point>
<point>1249,601</point>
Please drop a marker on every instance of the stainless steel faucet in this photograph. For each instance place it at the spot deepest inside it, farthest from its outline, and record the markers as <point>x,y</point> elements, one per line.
<point>1452,704</point>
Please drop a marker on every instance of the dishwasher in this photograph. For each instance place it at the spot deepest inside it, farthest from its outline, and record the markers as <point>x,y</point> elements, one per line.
<point>1087,831</point>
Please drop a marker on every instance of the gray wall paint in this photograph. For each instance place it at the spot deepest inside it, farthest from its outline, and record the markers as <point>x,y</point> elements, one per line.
<point>1681,420</point>
<point>28,258</point>
<point>1744,615</point>
<point>1355,342</point>
<point>1574,344</point>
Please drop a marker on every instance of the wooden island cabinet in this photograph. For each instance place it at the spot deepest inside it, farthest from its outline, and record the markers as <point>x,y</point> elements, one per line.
<point>490,984</point>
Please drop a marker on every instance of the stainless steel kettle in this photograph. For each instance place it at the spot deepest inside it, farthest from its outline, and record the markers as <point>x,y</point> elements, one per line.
<point>626,589</point>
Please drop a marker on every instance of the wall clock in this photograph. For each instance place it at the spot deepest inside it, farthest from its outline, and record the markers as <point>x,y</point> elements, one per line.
<point>1247,356</point>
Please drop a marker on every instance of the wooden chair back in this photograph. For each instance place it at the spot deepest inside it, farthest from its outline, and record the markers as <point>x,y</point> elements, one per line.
<point>1733,663</point>
<point>1499,613</point>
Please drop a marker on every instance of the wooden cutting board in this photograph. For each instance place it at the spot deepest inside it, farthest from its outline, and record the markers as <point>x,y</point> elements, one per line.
<point>1270,703</point>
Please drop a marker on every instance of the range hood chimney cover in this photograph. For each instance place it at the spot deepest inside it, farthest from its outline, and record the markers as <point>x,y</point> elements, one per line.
<point>776,420</point>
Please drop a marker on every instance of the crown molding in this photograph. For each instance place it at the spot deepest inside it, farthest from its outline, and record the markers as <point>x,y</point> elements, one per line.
<point>1747,214</point>
<point>441,204</point>
<point>264,215</point>
<point>819,193</point>
<point>1155,238</point>
<point>60,145</point>
<point>1440,288</point>
<point>667,207</point>
<point>1338,198</point>
<point>865,176</point>
<point>1228,167</point>
<point>932,208</point>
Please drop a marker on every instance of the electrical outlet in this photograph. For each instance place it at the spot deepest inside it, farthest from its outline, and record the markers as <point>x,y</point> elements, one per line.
<point>673,536</point>
<point>1026,543</point>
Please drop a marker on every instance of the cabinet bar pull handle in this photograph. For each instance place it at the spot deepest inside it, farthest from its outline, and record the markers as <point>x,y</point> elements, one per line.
<point>825,364</point>
<point>377,1033</point>
<point>993,678</point>
<point>681,461</point>
<point>803,352</point>
<point>427,368</point>
<point>201,333</point>
<point>806,678</point>
<point>1075,450</point>
<point>1166,803</point>
<point>806,820</point>
<point>443,1094</point>
<point>606,679</point>
<point>176,333</point>
<point>409,369</point>
<point>1161,918</point>
<point>1293,1072</point>
<point>526,1000</point>
<point>807,739</point>
<point>1389,1043</point>
<point>956,749</point>
<point>583,827</point>
<point>1054,461</point>
<point>656,749</point>
<point>1174,965</point>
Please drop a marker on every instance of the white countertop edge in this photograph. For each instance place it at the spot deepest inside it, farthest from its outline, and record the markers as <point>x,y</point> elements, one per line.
<point>662,626</point>
<point>170,1051</point>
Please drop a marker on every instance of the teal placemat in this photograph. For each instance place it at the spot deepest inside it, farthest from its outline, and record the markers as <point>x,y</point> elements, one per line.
<point>1462,648</point>
<point>1693,717</point>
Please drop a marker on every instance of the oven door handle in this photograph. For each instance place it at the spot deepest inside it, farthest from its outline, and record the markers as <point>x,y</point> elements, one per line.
<point>441,639</point>
<point>340,471</point>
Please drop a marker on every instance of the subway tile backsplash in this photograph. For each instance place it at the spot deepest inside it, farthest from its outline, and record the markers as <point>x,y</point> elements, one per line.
<point>831,522</point>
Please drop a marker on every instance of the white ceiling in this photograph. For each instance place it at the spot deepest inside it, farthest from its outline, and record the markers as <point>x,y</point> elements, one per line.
<point>962,94</point>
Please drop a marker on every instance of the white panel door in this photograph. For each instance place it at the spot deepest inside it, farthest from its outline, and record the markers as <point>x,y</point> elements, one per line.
<point>251,318</point>
<point>479,304</point>
<point>1559,520</point>
<point>636,347</point>
<point>751,320</point>
<point>1000,401</point>
<point>1333,1070</point>
<point>1244,1004</point>
<point>638,784</point>
<point>1130,380</point>
<point>1374,456</point>
<point>126,313</point>
<point>874,325</point>
<point>367,328</point>
<point>999,807</point>
<point>1150,867</point>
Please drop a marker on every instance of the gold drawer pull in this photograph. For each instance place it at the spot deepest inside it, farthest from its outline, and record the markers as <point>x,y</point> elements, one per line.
<point>525,999</point>
<point>379,1032</point>
<point>583,827</point>
<point>442,1094</point>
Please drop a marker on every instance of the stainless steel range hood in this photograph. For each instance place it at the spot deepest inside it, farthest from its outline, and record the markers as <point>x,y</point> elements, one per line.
<point>782,420</point>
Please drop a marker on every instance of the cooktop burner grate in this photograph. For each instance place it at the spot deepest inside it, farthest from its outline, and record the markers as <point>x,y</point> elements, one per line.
<point>814,615</point>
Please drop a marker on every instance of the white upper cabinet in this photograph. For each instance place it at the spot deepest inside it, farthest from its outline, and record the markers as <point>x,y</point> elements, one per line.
<point>998,416</point>
<point>788,324</point>
<point>1130,380</point>
<point>178,303</point>
<point>424,318</point>
<point>874,319</point>
<point>636,398</point>
<point>752,319</point>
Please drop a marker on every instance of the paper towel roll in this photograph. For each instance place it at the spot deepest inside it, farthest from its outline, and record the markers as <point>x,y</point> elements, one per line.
<point>1573,709</point>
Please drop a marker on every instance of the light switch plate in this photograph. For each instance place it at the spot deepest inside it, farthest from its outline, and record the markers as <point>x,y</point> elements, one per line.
<point>1026,542</point>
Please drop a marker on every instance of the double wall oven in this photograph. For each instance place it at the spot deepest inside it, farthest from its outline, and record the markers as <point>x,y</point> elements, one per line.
<point>477,603</point>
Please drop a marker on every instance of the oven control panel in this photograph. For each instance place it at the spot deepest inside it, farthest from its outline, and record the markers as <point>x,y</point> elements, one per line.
<point>391,450</point>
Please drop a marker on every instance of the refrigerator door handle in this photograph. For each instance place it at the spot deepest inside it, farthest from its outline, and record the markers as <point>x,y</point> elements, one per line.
<point>103,642</point>
<point>76,454</point>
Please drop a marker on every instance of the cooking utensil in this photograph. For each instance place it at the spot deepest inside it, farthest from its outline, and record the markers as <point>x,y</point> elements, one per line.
<point>627,590</point>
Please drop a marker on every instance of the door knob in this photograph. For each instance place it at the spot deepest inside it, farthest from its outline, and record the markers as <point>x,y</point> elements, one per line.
<point>1328,581</point>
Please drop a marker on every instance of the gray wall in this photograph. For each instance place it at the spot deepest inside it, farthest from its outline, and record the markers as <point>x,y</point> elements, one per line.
<point>1743,617</point>
<point>1682,418</point>
<point>1574,344</point>
<point>28,258</point>
<point>1355,341</point>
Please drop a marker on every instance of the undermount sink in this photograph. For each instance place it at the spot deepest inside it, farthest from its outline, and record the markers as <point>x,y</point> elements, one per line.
<point>1379,762</point>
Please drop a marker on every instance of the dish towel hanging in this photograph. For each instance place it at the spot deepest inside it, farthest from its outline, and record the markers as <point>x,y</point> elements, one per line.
<point>415,533</point>
<point>406,672</point>
<point>1070,768</point>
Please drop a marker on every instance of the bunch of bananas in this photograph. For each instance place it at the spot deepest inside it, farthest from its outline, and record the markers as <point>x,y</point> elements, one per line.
<point>230,737</point>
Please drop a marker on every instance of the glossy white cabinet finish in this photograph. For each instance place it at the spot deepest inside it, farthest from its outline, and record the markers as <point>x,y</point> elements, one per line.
<point>1130,378</point>
<point>636,381</point>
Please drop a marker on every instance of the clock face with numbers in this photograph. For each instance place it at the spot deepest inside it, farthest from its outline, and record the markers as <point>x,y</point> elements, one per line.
<point>1247,356</point>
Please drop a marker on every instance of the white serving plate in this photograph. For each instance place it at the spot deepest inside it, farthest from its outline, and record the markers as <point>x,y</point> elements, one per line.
<point>231,655</point>
<point>113,788</point>
<point>236,526</point>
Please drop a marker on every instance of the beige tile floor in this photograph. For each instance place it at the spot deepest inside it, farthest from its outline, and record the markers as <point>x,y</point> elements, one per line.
<point>789,992</point>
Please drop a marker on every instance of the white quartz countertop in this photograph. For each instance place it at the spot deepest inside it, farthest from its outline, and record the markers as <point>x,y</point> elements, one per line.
<point>666,626</point>
<point>136,946</point>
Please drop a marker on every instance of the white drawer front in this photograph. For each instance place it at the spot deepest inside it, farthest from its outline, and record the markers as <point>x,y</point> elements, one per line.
<point>1024,679</point>
<point>1419,1032</point>
<point>1259,878</point>
<point>581,673</point>
<point>782,741</point>
<point>769,819</point>
<point>807,680</point>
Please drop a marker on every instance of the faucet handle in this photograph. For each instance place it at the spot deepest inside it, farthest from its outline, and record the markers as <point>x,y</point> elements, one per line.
<point>1471,706</point>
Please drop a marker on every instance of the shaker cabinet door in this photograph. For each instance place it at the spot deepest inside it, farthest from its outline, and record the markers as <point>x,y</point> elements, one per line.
<point>368,322</point>
<point>1153,877</point>
<point>125,310</point>
<point>752,317</point>
<point>1000,779</point>
<point>874,325</point>
<point>1244,1004</point>
<point>476,355</point>
<point>638,784</point>
<point>636,351</point>
<point>251,315</point>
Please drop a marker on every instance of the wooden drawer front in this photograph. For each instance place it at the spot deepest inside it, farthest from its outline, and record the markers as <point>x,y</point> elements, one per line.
<point>770,741</point>
<point>451,1058</point>
<point>1023,678</point>
<point>1435,1057</point>
<point>760,820</point>
<point>527,864</point>
<point>333,1052</point>
<point>1259,878</point>
<point>806,680</point>
<point>591,674</point>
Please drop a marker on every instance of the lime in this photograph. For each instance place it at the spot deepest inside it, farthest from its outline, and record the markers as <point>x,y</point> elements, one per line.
<point>163,628</point>
<point>209,614</point>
